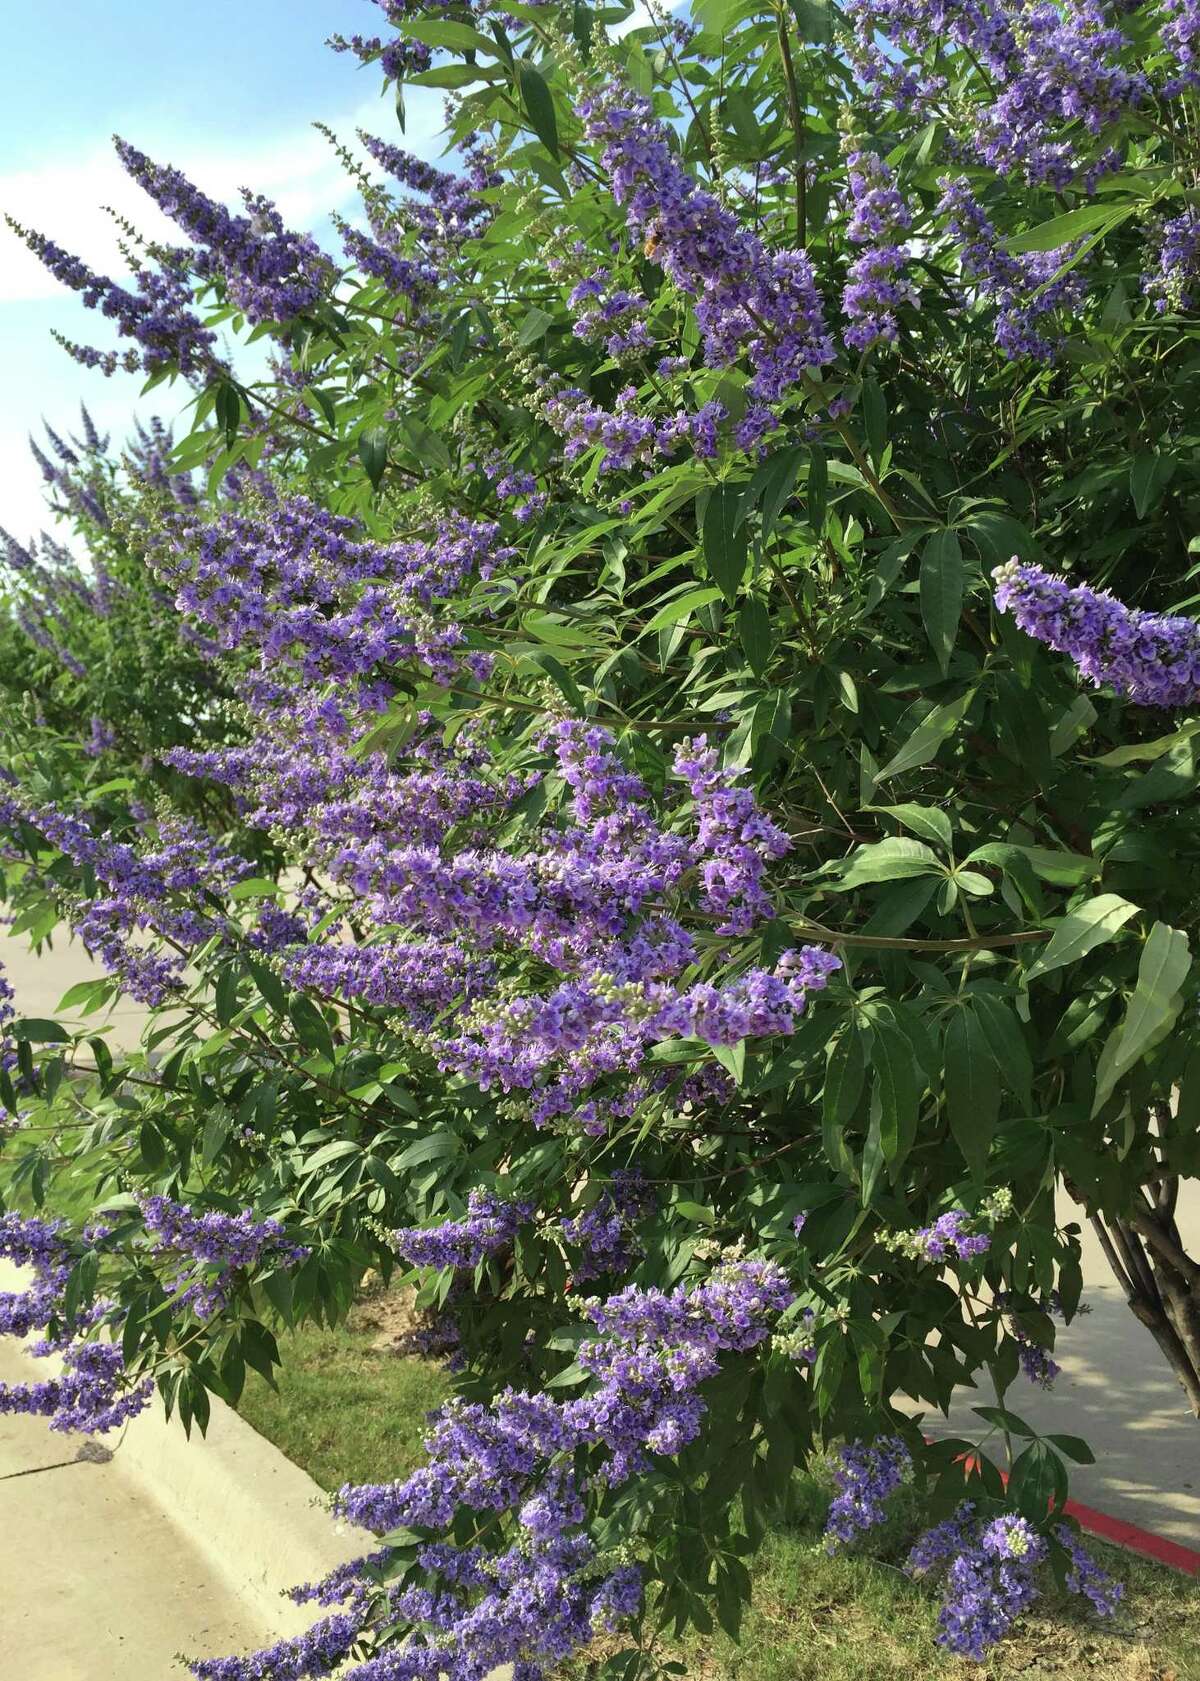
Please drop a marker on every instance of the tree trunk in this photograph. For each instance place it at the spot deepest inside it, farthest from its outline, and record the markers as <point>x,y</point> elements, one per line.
<point>1160,1281</point>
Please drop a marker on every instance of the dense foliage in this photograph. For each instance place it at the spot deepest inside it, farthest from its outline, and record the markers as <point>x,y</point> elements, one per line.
<point>649,880</point>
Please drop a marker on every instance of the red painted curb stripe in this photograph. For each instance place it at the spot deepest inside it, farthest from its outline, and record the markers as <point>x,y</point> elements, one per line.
<point>1134,1539</point>
<point>1123,1534</point>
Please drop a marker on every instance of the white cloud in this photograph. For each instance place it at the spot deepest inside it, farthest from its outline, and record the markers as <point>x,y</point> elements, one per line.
<point>64,198</point>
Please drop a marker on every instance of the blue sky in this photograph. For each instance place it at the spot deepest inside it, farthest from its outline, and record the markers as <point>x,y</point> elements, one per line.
<point>226,91</point>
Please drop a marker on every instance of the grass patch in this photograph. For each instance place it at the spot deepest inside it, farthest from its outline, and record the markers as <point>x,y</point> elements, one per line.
<point>348,1410</point>
<point>848,1618</point>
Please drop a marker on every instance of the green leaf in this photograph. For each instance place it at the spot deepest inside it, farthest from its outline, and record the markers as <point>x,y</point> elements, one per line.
<point>683,606</point>
<point>887,860</point>
<point>435,1146</point>
<point>539,105</point>
<point>1081,931</point>
<point>1074,1447</point>
<point>697,1211</point>
<point>87,996</point>
<point>942,593</point>
<point>1149,476</point>
<point>38,1031</point>
<point>1074,224</point>
<point>773,484</point>
<point>533,327</point>
<point>726,543</point>
<point>754,633</point>
<point>1156,1002</point>
<point>228,409</point>
<point>312,1029</point>
<point>924,820</point>
<point>373,453</point>
<point>256,887</point>
<point>997,1021</point>
<point>875,418</point>
<point>845,1076</point>
<point>972,1089</point>
<point>423,442</point>
<point>897,1085</point>
<point>927,739</point>
<point>818,488</point>
<point>456,37</point>
<point>814,20</point>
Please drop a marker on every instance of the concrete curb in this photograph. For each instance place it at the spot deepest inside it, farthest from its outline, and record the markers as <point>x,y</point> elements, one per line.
<point>255,1518</point>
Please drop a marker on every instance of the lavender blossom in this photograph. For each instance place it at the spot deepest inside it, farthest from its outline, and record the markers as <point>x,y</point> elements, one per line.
<point>271,274</point>
<point>157,315</point>
<point>1025,289</point>
<point>865,1475</point>
<point>1151,658</point>
<point>875,286</point>
<point>490,1225</point>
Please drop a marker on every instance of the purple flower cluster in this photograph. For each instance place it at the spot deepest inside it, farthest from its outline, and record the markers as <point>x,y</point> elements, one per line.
<point>417,851</point>
<point>223,1244</point>
<point>1152,658</point>
<point>949,1234</point>
<point>614,316</point>
<point>1086,1577</point>
<point>991,1575</point>
<point>157,315</point>
<point>627,436</point>
<point>1180,35</point>
<point>452,210</point>
<point>1175,244</point>
<point>605,1231</point>
<point>735,842</point>
<point>490,1224</point>
<point>875,286</point>
<point>652,1353</point>
<point>310,594</point>
<point>139,892</point>
<point>866,1475</point>
<point>1053,72</point>
<point>1037,1363</point>
<point>8,999</point>
<point>1025,289</point>
<point>91,1392</point>
<point>320,1651</point>
<point>270,273</point>
<point>746,296</point>
<point>542,1593</point>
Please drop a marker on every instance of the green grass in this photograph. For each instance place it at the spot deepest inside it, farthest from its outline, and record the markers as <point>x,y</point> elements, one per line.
<point>346,1410</point>
<point>816,1618</point>
<point>349,1411</point>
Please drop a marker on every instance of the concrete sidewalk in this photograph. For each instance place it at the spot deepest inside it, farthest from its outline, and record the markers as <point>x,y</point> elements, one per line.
<point>1118,1393</point>
<point>99,1583</point>
<point>40,981</point>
